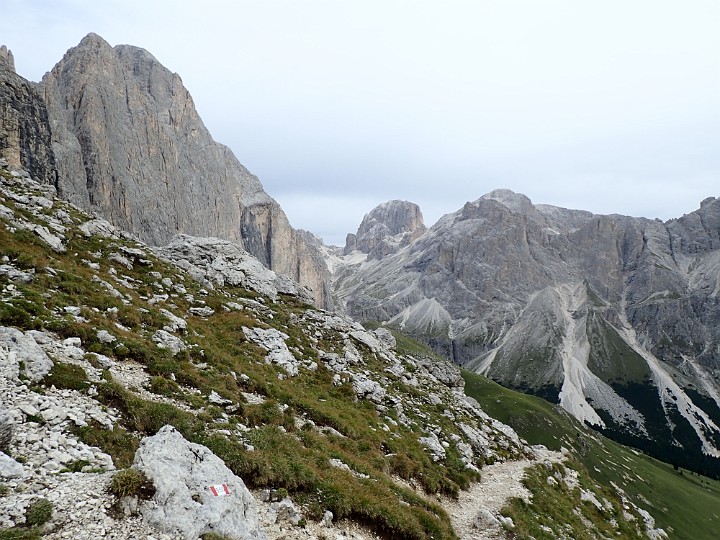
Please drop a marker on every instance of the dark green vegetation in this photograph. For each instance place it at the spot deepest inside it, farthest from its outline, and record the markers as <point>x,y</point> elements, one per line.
<point>131,483</point>
<point>38,513</point>
<point>20,533</point>
<point>617,364</point>
<point>685,504</point>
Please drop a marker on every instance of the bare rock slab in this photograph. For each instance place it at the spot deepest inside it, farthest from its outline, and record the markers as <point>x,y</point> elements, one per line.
<point>20,352</point>
<point>184,503</point>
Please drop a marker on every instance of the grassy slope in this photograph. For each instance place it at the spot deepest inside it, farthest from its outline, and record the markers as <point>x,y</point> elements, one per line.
<point>286,455</point>
<point>686,505</point>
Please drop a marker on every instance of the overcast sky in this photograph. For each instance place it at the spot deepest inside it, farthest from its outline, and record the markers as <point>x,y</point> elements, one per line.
<point>608,106</point>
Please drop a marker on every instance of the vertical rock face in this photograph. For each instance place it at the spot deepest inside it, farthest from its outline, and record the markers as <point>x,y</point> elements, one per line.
<point>387,228</point>
<point>7,61</point>
<point>24,129</point>
<point>130,146</point>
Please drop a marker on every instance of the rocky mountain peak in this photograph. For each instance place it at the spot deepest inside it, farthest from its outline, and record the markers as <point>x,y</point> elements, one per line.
<point>386,228</point>
<point>516,202</point>
<point>7,61</point>
<point>131,147</point>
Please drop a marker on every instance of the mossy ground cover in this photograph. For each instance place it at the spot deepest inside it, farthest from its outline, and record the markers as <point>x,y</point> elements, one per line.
<point>685,504</point>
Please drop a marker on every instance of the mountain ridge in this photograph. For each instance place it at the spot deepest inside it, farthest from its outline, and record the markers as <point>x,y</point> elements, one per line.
<point>110,345</point>
<point>556,302</point>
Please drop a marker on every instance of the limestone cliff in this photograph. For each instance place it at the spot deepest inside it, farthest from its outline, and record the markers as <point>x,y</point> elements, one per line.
<point>131,147</point>
<point>24,129</point>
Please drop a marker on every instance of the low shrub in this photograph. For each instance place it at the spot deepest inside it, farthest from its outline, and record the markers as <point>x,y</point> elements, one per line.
<point>19,533</point>
<point>132,483</point>
<point>164,387</point>
<point>118,442</point>
<point>68,376</point>
<point>38,513</point>
<point>76,466</point>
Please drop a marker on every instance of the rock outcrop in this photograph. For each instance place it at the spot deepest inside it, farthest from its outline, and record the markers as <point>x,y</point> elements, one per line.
<point>386,229</point>
<point>131,147</point>
<point>24,129</point>
<point>184,475</point>
<point>24,357</point>
<point>214,262</point>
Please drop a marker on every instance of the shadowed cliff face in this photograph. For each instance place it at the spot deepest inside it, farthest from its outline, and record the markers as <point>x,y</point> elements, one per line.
<point>131,147</point>
<point>24,129</point>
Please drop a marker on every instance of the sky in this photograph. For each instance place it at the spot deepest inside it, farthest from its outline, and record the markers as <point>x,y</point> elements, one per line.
<point>337,106</point>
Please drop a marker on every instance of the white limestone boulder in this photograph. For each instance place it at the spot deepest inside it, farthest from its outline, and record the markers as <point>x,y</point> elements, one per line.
<point>184,503</point>
<point>22,356</point>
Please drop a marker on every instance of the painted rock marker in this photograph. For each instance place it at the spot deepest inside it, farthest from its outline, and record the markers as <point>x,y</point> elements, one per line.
<point>220,490</point>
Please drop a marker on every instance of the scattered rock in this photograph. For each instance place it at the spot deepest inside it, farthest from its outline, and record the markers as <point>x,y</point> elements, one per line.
<point>217,399</point>
<point>484,519</point>
<point>166,340</point>
<point>273,341</point>
<point>213,261</point>
<point>432,443</point>
<point>284,511</point>
<point>9,468</point>
<point>106,337</point>
<point>176,323</point>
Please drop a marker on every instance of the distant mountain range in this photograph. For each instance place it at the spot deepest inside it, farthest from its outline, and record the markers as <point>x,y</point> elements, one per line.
<point>615,318</point>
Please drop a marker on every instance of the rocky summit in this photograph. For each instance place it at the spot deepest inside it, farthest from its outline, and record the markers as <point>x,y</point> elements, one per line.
<point>387,228</point>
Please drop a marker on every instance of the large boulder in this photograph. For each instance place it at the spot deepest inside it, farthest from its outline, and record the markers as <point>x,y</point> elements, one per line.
<point>184,503</point>
<point>21,355</point>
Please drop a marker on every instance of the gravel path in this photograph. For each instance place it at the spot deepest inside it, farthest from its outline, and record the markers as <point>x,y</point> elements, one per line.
<point>476,513</point>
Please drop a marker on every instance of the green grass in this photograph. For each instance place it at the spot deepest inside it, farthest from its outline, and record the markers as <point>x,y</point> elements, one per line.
<point>38,512</point>
<point>536,420</point>
<point>131,483</point>
<point>686,505</point>
<point>20,533</point>
<point>69,376</point>
<point>557,511</point>
<point>611,359</point>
